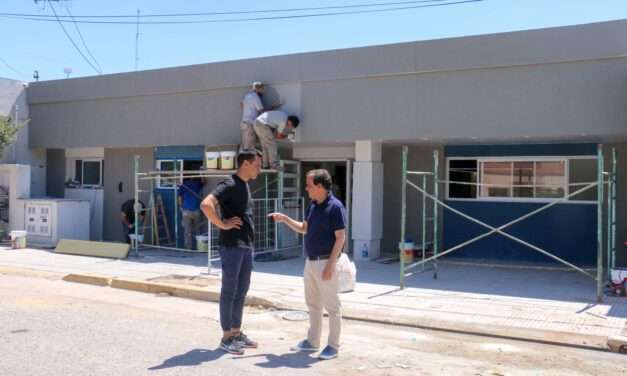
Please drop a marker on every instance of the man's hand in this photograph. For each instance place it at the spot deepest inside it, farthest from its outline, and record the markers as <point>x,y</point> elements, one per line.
<point>327,273</point>
<point>231,223</point>
<point>278,217</point>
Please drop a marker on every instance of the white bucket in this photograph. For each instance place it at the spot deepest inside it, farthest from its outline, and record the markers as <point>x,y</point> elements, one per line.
<point>227,160</point>
<point>211,159</point>
<point>407,251</point>
<point>18,239</point>
<point>202,243</point>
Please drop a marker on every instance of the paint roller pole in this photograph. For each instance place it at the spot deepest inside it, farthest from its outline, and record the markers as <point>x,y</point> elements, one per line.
<point>435,212</point>
<point>401,245</point>
<point>135,242</point>
<point>176,207</point>
<point>613,222</point>
<point>600,184</point>
<point>424,220</point>
<point>608,231</point>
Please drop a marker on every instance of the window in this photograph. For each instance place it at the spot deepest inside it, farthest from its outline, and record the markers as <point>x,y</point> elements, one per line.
<point>463,171</point>
<point>169,180</point>
<point>88,172</point>
<point>496,179</point>
<point>503,178</point>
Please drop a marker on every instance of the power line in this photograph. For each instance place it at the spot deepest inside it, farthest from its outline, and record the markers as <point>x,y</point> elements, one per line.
<point>232,20</point>
<point>72,40</point>
<point>278,10</point>
<point>81,37</point>
<point>11,68</point>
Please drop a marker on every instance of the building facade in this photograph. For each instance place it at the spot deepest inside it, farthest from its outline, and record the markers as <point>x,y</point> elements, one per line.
<point>523,108</point>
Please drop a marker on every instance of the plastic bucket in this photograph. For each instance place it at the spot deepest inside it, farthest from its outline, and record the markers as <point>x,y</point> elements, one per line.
<point>227,160</point>
<point>211,159</point>
<point>407,251</point>
<point>18,239</point>
<point>202,243</point>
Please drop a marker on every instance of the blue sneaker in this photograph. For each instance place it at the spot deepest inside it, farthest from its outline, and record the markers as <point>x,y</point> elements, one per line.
<point>305,345</point>
<point>328,353</point>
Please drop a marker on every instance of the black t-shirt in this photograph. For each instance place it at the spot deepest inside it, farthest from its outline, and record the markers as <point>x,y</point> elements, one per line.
<point>235,200</point>
<point>127,209</point>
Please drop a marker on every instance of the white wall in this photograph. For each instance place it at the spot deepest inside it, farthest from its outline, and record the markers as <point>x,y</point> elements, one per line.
<point>17,179</point>
<point>13,102</point>
<point>95,197</point>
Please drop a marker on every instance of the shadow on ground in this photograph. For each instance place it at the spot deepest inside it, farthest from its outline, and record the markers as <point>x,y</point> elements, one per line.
<point>288,360</point>
<point>191,358</point>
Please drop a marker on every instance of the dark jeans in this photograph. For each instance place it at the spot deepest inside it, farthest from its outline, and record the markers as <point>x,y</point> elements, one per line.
<point>237,264</point>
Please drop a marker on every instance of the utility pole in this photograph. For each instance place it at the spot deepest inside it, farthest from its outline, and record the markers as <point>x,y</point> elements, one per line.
<point>137,42</point>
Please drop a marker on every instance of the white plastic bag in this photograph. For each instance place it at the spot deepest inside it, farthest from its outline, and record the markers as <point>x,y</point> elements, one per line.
<point>347,274</point>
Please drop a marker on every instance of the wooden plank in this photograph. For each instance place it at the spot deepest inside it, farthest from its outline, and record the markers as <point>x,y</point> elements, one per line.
<point>89,248</point>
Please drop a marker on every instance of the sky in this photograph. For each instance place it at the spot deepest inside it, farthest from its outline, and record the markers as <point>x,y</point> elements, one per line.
<point>43,46</point>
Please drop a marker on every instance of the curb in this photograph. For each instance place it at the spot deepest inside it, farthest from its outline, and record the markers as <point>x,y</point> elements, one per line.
<point>617,344</point>
<point>595,342</point>
<point>88,279</point>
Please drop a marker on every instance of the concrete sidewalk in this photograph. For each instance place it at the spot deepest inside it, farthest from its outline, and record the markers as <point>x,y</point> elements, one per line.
<point>540,305</point>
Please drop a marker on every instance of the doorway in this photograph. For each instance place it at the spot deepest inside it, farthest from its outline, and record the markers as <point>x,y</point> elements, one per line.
<point>341,175</point>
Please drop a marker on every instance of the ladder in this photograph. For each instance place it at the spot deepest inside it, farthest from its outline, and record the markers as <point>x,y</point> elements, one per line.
<point>288,192</point>
<point>159,220</point>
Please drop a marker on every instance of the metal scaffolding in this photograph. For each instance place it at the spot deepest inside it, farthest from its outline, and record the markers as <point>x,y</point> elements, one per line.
<point>610,207</point>
<point>280,193</point>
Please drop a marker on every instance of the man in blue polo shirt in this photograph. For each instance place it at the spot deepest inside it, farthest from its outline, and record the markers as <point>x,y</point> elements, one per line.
<point>325,234</point>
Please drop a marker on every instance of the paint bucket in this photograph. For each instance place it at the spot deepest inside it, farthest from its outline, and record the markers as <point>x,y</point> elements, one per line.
<point>18,239</point>
<point>202,243</point>
<point>227,160</point>
<point>140,239</point>
<point>407,251</point>
<point>211,159</point>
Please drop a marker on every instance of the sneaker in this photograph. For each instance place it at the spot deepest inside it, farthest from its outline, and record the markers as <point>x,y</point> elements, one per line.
<point>245,342</point>
<point>231,346</point>
<point>305,345</point>
<point>328,353</point>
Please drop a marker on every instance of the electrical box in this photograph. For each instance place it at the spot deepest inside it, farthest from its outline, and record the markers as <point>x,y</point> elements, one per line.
<point>48,220</point>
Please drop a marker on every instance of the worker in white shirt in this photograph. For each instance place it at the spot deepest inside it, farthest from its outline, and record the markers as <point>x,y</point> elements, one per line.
<point>251,108</point>
<point>269,126</point>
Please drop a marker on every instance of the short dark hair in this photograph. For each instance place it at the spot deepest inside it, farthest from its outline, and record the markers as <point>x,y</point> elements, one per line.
<point>294,120</point>
<point>247,155</point>
<point>321,177</point>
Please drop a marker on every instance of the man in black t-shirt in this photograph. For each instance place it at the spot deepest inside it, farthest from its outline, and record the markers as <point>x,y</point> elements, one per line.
<point>236,246</point>
<point>127,216</point>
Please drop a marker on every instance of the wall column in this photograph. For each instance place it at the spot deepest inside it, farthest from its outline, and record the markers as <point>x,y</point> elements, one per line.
<point>367,201</point>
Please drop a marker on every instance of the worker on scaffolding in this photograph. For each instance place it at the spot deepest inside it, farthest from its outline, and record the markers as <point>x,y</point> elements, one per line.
<point>251,108</point>
<point>189,197</point>
<point>236,242</point>
<point>272,125</point>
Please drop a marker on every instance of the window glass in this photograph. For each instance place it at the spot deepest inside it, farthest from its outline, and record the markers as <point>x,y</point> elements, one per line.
<point>167,180</point>
<point>78,171</point>
<point>550,179</point>
<point>497,179</point>
<point>523,179</point>
<point>462,171</point>
<point>91,172</point>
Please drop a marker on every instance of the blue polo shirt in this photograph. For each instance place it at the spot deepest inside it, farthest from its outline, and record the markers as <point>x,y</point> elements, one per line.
<point>191,192</point>
<point>322,221</point>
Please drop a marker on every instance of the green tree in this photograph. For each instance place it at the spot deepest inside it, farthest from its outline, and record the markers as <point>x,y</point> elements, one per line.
<point>8,132</point>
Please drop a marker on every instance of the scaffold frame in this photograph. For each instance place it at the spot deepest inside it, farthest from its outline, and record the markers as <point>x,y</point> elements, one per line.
<point>603,178</point>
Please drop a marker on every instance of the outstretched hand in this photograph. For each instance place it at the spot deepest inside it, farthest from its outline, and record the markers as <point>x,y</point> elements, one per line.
<point>278,217</point>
